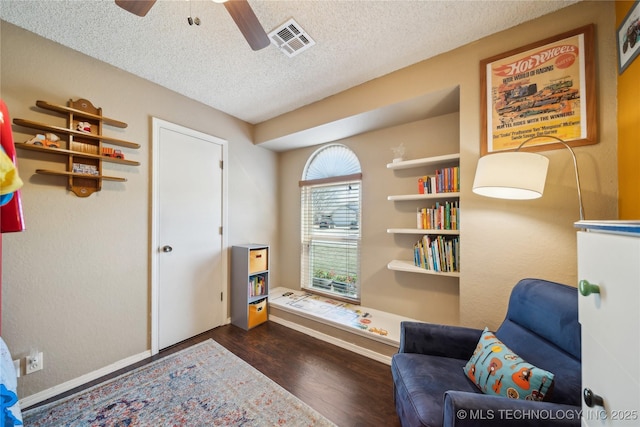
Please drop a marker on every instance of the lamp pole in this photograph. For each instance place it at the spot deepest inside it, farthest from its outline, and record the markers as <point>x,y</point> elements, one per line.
<point>575,165</point>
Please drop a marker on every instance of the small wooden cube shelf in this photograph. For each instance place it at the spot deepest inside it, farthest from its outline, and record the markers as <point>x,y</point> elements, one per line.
<point>84,145</point>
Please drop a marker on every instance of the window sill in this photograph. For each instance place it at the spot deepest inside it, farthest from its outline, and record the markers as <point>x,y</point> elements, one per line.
<point>367,322</point>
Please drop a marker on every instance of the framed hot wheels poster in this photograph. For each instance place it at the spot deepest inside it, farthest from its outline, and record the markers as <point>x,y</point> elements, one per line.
<point>546,88</point>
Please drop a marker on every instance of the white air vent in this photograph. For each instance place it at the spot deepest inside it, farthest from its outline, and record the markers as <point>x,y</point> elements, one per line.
<point>291,38</point>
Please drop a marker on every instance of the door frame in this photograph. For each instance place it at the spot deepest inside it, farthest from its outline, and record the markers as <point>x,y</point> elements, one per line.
<point>154,252</point>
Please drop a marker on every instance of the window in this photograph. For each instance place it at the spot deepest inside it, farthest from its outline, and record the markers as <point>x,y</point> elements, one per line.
<point>331,190</point>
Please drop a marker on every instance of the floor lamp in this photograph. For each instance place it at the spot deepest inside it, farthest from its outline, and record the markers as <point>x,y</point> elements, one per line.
<point>517,174</point>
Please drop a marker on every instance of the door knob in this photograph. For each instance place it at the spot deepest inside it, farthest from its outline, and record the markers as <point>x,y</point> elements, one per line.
<point>167,248</point>
<point>592,399</point>
<point>587,288</point>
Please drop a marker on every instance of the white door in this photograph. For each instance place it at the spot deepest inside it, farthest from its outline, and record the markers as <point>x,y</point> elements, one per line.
<point>189,266</point>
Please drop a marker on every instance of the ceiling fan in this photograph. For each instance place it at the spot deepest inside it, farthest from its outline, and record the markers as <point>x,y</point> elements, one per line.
<point>240,11</point>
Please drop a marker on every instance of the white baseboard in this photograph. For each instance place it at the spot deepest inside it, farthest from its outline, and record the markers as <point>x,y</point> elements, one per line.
<point>28,401</point>
<point>332,340</point>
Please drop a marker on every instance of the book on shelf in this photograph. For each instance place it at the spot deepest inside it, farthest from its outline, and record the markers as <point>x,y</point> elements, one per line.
<point>441,216</point>
<point>257,286</point>
<point>445,180</point>
<point>438,253</point>
<point>82,147</point>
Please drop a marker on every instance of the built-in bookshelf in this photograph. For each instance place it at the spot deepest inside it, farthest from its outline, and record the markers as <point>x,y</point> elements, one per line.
<point>437,221</point>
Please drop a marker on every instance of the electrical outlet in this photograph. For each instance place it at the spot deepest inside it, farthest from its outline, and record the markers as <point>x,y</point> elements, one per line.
<point>35,362</point>
<point>16,365</point>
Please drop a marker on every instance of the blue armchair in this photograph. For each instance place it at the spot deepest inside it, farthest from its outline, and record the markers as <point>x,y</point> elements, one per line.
<point>541,326</point>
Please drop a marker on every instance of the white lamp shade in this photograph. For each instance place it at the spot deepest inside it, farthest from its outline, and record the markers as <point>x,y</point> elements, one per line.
<point>512,175</point>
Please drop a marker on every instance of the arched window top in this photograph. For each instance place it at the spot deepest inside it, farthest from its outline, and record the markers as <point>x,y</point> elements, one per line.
<point>329,161</point>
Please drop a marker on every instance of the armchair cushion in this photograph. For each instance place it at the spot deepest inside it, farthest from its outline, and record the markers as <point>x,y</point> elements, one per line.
<point>462,409</point>
<point>420,383</point>
<point>497,370</point>
<point>438,340</point>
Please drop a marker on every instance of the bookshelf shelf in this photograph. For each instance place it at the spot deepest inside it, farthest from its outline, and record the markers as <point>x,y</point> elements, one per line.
<point>407,266</point>
<point>443,243</point>
<point>422,231</point>
<point>427,161</point>
<point>434,196</point>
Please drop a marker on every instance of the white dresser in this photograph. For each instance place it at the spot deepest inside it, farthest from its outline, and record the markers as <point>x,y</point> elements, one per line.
<point>609,312</point>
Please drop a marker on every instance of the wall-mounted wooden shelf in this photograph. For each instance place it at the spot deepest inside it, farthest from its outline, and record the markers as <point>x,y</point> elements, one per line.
<point>83,147</point>
<point>64,152</point>
<point>76,133</point>
<point>80,113</point>
<point>80,175</point>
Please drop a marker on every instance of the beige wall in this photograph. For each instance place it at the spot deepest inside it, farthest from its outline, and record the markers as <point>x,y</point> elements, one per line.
<point>501,241</point>
<point>76,283</point>
<point>62,295</point>
<point>404,293</point>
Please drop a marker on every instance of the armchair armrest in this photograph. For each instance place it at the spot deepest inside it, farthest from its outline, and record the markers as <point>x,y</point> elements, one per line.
<point>463,409</point>
<point>438,340</point>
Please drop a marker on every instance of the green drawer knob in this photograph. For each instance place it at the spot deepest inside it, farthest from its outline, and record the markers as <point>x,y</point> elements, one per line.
<point>587,288</point>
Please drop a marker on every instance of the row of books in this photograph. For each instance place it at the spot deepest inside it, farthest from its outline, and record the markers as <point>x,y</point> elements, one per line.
<point>257,286</point>
<point>438,253</point>
<point>83,147</point>
<point>445,180</point>
<point>441,216</point>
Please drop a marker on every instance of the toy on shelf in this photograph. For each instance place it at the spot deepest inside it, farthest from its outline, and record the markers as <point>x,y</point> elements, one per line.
<point>49,140</point>
<point>84,126</point>
<point>85,169</point>
<point>111,152</point>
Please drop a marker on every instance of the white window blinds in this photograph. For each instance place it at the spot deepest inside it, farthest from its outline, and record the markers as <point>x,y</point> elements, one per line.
<point>331,228</point>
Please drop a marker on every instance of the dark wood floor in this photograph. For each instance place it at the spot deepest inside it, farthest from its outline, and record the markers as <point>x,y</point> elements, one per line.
<point>348,389</point>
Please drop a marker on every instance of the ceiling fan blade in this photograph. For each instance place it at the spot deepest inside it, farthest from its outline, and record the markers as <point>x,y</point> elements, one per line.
<point>248,23</point>
<point>137,7</point>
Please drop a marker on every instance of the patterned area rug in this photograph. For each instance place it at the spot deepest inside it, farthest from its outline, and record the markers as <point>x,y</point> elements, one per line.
<point>203,385</point>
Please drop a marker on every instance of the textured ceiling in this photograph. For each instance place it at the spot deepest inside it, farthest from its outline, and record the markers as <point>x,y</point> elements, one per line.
<point>356,41</point>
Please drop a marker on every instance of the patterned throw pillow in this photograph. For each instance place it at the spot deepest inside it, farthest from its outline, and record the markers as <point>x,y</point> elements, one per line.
<point>495,369</point>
